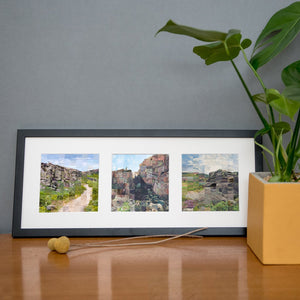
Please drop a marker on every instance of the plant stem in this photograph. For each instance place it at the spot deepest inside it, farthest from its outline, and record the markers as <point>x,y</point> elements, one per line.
<point>261,83</point>
<point>264,121</point>
<point>281,161</point>
<point>267,162</point>
<point>291,154</point>
<point>253,70</point>
<point>272,114</point>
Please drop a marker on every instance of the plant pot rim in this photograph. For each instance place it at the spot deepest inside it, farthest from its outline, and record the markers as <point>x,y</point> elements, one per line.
<point>261,175</point>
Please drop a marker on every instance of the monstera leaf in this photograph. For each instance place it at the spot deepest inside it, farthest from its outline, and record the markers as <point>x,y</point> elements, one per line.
<point>288,102</point>
<point>291,74</point>
<point>202,35</point>
<point>292,92</point>
<point>222,51</point>
<point>283,104</point>
<point>222,46</point>
<point>279,128</point>
<point>279,32</point>
<point>291,78</point>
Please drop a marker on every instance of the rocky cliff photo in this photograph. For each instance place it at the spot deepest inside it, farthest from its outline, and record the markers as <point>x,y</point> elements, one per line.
<point>143,185</point>
<point>69,183</point>
<point>210,190</point>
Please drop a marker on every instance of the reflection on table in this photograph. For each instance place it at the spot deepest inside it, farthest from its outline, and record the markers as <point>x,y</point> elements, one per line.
<point>208,268</point>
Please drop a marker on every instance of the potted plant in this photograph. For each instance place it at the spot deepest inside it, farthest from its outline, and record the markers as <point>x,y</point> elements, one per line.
<point>273,223</point>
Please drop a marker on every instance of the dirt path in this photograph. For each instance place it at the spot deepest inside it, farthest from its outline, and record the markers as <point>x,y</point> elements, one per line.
<point>78,204</point>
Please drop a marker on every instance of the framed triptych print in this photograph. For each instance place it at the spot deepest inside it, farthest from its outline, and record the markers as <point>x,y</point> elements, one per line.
<point>132,182</point>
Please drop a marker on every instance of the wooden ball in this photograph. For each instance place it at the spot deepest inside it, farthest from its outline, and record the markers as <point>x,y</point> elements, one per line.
<point>62,244</point>
<point>51,244</point>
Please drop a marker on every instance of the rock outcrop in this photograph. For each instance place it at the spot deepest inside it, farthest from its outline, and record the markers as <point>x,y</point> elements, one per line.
<point>223,182</point>
<point>122,182</point>
<point>90,172</point>
<point>53,175</point>
<point>145,190</point>
<point>219,190</point>
<point>155,172</point>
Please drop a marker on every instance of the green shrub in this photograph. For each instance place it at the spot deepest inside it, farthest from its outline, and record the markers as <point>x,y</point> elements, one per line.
<point>221,206</point>
<point>93,206</point>
<point>124,207</point>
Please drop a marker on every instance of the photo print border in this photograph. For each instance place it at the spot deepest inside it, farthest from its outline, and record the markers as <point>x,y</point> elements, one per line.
<point>156,218</point>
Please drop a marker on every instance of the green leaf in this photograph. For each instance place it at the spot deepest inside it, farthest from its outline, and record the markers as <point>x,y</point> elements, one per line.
<point>290,75</point>
<point>202,35</point>
<point>246,43</point>
<point>262,132</point>
<point>275,178</point>
<point>260,98</point>
<point>272,94</point>
<point>297,152</point>
<point>287,103</point>
<point>206,51</point>
<point>265,149</point>
<point>223,46</point>
<point>281,127</point>
<point>285,106</point>
<point>277,147</point>
<point>216,52</point>
<point>292,92</point>
<point>279,32</point>
<point>221,51</point>
<point>233,37</point>
<point>281,103</point>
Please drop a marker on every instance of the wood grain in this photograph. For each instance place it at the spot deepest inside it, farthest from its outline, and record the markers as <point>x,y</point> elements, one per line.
<point>208,268</point>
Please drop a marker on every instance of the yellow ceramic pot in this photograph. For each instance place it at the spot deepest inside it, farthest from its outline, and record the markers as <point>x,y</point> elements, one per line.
<point>273,230</point>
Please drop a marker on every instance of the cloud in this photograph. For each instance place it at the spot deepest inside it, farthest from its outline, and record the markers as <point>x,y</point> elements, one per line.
<point>205,163</point>
<point>81,162</point>
<point>129,161</point>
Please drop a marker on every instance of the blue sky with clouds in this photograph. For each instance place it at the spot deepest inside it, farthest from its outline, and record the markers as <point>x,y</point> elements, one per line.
<point>81,162</point>
<point>129,161</point>
<point>205,163</point>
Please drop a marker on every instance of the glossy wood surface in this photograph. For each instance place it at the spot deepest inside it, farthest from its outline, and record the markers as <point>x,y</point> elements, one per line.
<point>186,268</point>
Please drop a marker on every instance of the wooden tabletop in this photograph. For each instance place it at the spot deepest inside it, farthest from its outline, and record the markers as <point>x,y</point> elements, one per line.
<point>186,268</point>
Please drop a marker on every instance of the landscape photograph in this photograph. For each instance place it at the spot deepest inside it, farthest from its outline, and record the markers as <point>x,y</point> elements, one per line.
<point>69,183</point>
<point>210,182</point>
<point>140,182</point>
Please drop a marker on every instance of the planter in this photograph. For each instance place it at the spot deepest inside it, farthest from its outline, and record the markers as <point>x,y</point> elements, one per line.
<point>273,231</point>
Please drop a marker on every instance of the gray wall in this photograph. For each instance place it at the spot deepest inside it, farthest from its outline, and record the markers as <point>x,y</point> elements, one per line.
<point>96,64</point>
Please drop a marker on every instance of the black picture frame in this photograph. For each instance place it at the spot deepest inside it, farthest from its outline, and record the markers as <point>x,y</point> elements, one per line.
<point>24,134</point>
